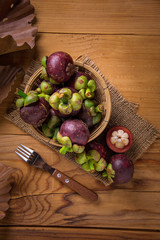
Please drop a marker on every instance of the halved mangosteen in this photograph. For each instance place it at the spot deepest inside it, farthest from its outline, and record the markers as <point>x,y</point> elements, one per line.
<point>119,139</point>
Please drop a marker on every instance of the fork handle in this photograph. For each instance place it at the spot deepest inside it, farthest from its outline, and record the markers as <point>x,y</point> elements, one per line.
<point>76,186</point>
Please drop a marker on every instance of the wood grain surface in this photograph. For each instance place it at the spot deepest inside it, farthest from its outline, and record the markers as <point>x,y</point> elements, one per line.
<point>100,17</point>
<point>123,38</point>
<point>45,233</point>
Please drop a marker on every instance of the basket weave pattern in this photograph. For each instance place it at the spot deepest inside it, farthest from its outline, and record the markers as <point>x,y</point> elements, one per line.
<point>102,96</point>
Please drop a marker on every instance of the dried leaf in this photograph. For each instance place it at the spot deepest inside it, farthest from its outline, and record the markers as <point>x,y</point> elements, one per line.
<point>16,30</point>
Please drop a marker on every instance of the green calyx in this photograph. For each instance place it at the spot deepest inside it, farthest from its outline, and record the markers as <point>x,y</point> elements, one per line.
<point>38,90</point>
<point>82,93</point>
<point>26,99</point>
<point>65,101</point>
<point>94,110</point>
<point>20,102</point>
<point>86,167</point>
<point>54,100</point>
<point>88,103</point>
<point>86,88</point>
<point>68,146</point>
<point>78,148</point>
<point>75,148</point>
<point>81,83</point>
<point>65,108</point>
<point>45,96</point>
<point>97,118</point>
<point>56,130</point>
<point>81,158</point>
<point>53,81</point>
<point>100,165</point>
<point>46,87</point>
<point>91,161</point>
<point>53,122</point>
<point>43,61</point>
<point>51,127</point>
<point>76,101</point>
<point>65,149</point>
<point>65,94</point>
<point>31,98</point>
<point>93,154</point>
<point>91,85</point>
<point>64,140</point>
<point>109,173</point>
<point>89,94</point>
<point>44,74</point>
<point>47,131</point>
<point>91,164</point>
<point>99,108</point>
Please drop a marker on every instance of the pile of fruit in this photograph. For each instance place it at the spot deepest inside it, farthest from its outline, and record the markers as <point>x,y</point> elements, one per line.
<point>64,108</point>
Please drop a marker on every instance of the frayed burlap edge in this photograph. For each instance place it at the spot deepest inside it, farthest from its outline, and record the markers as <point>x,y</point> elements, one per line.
<point>123,114</point>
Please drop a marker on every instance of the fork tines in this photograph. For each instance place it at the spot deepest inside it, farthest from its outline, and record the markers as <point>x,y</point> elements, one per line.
<point>24,152</point>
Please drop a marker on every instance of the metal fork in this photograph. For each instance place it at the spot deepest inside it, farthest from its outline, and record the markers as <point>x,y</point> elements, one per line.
<point>33,158</point>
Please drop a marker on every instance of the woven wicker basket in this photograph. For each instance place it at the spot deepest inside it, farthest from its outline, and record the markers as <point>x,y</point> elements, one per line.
<point>102,95</point>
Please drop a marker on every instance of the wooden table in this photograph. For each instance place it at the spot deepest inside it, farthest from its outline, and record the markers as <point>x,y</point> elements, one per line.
<point>123,38</point>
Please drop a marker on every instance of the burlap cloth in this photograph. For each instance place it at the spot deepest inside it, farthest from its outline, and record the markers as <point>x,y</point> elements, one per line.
<point>123,114</point>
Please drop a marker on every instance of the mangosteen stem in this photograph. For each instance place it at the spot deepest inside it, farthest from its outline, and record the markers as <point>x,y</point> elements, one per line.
<point>21,93</point>
<point>63,97</point>
<point>65,149</point>
<point>91,165</point>
<point>55,133</point>
<point>109,173</point>
<point>88,93</point>
<point>99,108</point>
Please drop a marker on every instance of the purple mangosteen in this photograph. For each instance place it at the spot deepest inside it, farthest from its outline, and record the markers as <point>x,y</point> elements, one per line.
<point>73,135</point>
<point>66,102</point>
<point>60,66</point>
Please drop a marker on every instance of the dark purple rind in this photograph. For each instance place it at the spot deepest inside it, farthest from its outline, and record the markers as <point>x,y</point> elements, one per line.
<point>76,130</point>
<point>60,66</point>
<point>72,114</point>
<point>123,168</point>
<point>36,113</point>
<point>98,147</point>
<point>85,116</point>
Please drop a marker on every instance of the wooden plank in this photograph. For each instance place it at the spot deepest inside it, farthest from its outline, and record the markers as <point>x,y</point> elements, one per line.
<point>46,233</point>
<point>114,209</point>
<point>31,181</point>
<point>130,63</point>
<point>100,17</point>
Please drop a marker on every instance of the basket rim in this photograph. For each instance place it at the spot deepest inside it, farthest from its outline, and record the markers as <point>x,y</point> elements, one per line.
<point>108,107</point>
